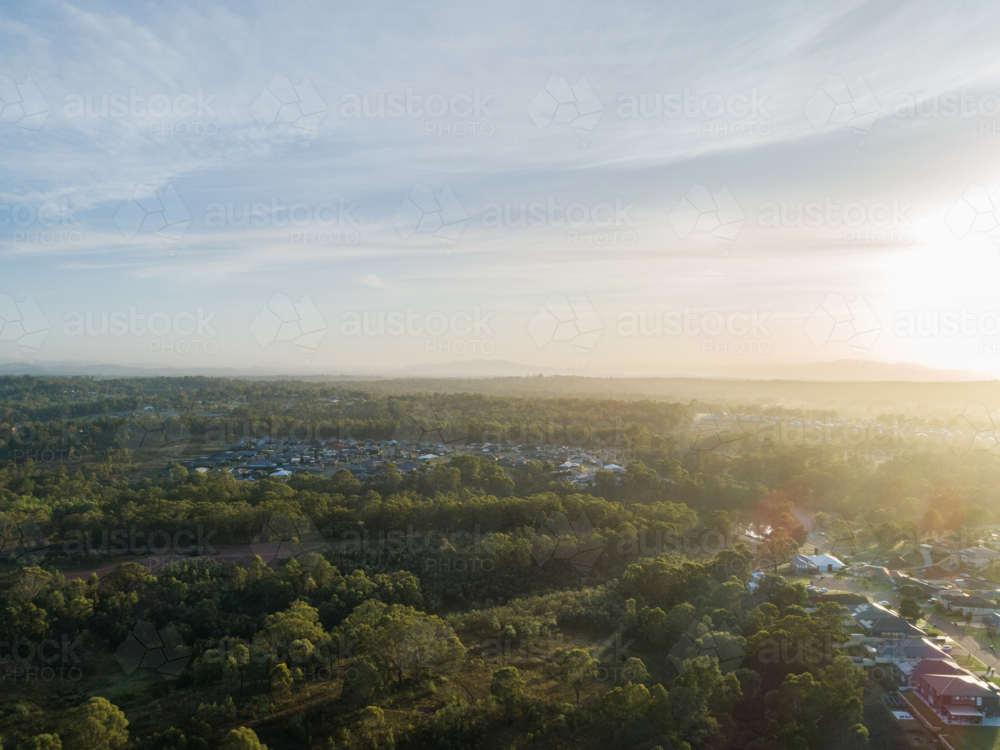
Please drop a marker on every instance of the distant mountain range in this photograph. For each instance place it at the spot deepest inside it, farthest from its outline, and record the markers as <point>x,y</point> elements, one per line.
<point>834,371</point>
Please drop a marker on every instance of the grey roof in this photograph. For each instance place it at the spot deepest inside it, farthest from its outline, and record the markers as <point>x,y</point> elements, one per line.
<point>912,648</point>
<point>876,618</point>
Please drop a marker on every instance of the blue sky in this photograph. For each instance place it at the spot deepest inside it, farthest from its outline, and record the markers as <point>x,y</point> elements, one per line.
<point>687,209</point>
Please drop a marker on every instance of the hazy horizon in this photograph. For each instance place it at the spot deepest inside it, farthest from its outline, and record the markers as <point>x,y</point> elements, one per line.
<point>603,190</point>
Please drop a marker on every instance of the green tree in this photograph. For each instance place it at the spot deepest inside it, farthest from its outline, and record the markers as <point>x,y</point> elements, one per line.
<point>621,705</point>
<point>634,670</point>
<point>44,742</point>
<point>242,738</point>
<point>281,681</point>
<point>576,669</point>
<point>362,683</point>
<point>95,725</point>
<point>507,686</point>
<point>909,609</point>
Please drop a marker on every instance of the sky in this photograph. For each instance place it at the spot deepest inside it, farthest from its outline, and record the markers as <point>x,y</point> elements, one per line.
<point>634,188</point>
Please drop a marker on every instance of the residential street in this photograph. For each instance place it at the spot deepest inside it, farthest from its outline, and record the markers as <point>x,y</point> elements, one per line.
<point>986,655</point>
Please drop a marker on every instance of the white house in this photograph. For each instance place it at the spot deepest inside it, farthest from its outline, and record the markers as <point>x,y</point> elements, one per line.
<point>826,563</point>
<point>970,606</point>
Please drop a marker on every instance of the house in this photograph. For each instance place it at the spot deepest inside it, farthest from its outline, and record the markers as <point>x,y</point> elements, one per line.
<point>826,563</point>
<point>802,565</point>
<point>843,598</point>
<point>928,589</point>
<point>958,698</point>
<point>977,557</point>
<point>910,649</point>
<point>873,572</point>
<point>976,606</point>
<point>908,672</point>
<point>935,574</point>
<point>878,622</point>
<point>991,620</point>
